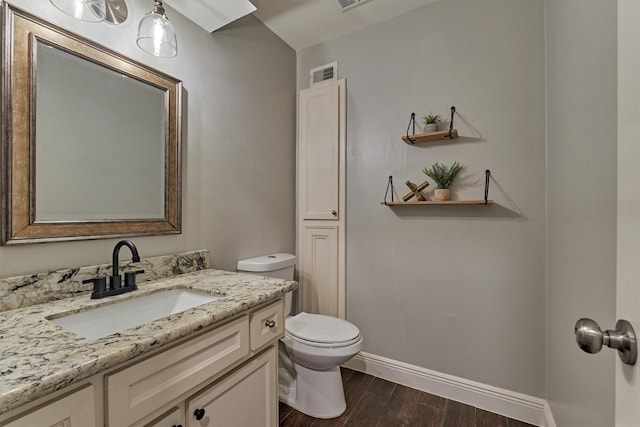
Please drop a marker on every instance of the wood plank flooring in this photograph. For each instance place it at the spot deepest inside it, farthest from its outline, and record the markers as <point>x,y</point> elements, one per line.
<point>373,402</point>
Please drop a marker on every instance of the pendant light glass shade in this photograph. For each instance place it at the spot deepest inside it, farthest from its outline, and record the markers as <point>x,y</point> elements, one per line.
<point>156,34</point>
<point>85,10</point>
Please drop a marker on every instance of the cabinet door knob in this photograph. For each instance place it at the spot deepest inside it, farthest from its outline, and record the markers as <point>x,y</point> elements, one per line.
<point>199,414</point>
<point>270,323</point>
<point>334,213</point>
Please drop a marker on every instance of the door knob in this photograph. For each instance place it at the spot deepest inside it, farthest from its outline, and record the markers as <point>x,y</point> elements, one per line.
<point>591,338</point>
<point>334,213</point>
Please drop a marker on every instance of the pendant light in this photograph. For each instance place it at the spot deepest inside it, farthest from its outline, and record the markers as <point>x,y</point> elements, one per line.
<point>85,10</point>
<point>156,34</point>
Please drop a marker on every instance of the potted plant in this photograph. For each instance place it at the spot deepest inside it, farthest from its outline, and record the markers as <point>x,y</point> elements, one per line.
<point>443,177</point>
<point>430,123</point>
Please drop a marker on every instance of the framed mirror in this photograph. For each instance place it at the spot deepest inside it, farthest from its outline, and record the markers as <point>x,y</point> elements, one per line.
<point>91,143</point>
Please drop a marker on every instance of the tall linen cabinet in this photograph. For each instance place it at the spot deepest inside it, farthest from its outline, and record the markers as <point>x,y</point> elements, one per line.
<point>321,197</point>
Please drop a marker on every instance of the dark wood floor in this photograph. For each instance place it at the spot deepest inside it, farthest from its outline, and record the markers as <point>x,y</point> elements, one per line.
<point>373,402</point>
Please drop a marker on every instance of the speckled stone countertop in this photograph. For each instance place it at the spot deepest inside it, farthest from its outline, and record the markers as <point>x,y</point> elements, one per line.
<point>37,357</point>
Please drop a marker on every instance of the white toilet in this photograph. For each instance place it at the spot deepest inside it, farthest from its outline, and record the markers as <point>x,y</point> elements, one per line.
<point>312,350</point>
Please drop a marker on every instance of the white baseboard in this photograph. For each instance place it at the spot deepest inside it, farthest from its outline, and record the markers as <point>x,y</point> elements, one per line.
<point>529,409</point>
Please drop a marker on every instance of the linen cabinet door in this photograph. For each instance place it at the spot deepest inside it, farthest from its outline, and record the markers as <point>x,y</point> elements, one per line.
<point>319,152</point>
<point>319,269</point>
<point>246,397</point>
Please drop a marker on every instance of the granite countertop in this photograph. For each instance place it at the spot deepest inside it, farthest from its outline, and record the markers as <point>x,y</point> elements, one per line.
<point>38,357</point>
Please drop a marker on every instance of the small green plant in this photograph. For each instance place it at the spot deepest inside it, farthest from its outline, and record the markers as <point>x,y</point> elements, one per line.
<point>442,175</point>
<point>431,119</point>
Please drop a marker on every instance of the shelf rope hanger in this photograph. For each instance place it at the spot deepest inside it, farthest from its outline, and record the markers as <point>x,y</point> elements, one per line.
<point>412,120</point>
<point>453,111</point>
<point>389,186</point>
<point>487,175</point>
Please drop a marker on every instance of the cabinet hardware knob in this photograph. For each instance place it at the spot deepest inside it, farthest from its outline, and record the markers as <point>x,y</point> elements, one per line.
<point>199,414</point>
<point>270,323</point>
<point>179,425</point>
<point>334,213</point>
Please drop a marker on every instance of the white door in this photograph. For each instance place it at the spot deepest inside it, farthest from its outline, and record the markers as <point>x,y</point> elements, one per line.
<point>628,254</point>
<point>319,157</point>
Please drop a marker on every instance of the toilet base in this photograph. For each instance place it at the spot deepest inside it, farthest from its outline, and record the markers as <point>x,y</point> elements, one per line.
<point>319,394</point>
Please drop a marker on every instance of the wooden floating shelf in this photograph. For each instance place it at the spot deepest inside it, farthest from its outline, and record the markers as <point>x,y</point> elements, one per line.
<point>434,202</point>
<point>431,136</point>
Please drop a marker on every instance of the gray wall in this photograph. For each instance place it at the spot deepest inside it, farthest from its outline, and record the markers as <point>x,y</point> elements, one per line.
<point>239,143</point>
<point>581,171</point>
<point>459,290</point>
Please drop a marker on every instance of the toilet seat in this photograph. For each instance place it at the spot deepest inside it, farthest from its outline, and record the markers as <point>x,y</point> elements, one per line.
<point>321,331</point>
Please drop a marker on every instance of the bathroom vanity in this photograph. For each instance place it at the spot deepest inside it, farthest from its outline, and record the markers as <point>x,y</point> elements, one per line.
<point>214,364</point>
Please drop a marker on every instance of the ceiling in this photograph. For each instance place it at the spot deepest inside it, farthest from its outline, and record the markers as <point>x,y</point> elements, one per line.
<point>304,23</point>
<point>212,14</point>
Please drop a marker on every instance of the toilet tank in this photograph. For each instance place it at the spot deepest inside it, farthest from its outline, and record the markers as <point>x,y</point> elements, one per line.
<point>278,265</point>
<point>275,265</point>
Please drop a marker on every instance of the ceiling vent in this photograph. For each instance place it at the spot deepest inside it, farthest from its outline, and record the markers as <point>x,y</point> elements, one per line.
<point>323,73</point>
<point>350,4</point>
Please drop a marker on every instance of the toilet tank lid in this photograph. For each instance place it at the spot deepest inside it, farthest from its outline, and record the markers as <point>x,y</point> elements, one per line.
<point>264,263</point>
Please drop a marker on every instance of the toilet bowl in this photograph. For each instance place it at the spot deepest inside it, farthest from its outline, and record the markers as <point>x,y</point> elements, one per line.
<point>311,351</point>
<point>321,342</point>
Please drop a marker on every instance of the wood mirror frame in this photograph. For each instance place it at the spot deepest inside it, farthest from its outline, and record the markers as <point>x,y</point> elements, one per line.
<point>19,225</point>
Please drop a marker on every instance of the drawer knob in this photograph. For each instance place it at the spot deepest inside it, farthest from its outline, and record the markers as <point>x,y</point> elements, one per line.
<point>270,323</point>
<point>179,425</point>
<point>199,414</point>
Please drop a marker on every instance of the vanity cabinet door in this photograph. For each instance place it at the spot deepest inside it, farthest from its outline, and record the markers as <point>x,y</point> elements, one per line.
<point>246,397</point>
<point>74,410</point>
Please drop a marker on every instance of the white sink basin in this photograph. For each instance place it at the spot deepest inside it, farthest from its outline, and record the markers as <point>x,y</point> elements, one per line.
<point>110,319</point>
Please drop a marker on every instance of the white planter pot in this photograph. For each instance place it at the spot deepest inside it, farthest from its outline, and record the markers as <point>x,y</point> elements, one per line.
<point>432,127</point>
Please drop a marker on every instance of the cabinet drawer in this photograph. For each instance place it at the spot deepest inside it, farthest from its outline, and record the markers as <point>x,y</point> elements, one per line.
<point>267,324</point>
<point>143,388</point>
<point>74,410</point>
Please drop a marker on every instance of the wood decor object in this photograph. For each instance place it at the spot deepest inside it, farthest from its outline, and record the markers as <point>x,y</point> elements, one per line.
<point>415,191</point>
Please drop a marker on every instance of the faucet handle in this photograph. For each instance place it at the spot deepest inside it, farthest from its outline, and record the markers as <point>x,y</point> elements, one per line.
<point>130,278</point>
<point>99,286</point>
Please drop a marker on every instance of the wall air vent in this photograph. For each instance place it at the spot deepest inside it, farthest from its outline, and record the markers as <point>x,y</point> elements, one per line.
<point>323,73</point>
<point>350,4</point>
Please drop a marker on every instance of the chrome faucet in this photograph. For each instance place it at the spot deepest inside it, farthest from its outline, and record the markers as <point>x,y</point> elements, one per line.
<point>115,280</point>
